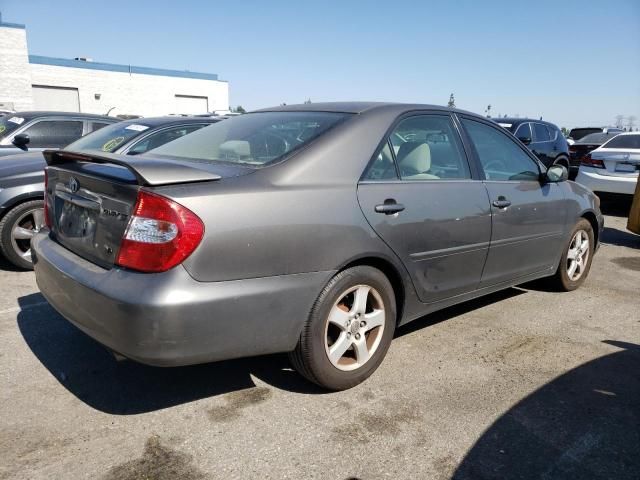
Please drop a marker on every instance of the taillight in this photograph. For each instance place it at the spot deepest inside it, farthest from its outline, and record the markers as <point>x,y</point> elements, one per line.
<point>160,235</point>
<point>47,218</point>
<point>587,161</point>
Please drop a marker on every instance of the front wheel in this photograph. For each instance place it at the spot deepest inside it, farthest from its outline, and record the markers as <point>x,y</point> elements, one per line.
<point>349,329</point>
<point>576,258</point>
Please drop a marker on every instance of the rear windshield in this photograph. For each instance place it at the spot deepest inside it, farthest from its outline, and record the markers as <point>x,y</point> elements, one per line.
<point>9,123</point>
<point>623,141</point>
<point>578,133</point>
<point>253,139</point>
<point>109,138</point>
<point>596,138</point>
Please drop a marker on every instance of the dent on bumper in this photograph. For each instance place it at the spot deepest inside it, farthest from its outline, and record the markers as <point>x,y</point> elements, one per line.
<point>169,318</point>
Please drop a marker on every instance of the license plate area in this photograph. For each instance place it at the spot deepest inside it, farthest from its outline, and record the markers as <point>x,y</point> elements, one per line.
<point>76,221</point>
<point>626,167</point>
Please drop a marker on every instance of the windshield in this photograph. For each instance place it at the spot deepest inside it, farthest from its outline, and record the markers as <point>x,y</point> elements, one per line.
<point>9,123</point>
<point>597,138</point>
<point>624,141</point>
<point>253,139</point>
<point>109,138</point>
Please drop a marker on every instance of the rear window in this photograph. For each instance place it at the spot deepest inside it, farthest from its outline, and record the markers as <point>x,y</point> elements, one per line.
<point>596,138</point>
<point>578,133</point>
<point>109,138</point>
<point>623,141</point>
<point>253,139</point>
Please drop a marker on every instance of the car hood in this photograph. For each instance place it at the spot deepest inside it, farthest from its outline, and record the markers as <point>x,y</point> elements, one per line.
<point>21,164</point>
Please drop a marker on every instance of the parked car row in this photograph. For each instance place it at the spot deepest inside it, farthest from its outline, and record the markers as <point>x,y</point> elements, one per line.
<point>22,175</point>
<point>309,229</point>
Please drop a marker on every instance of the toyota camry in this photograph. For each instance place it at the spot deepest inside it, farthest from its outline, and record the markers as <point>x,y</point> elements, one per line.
<point>313,229</point>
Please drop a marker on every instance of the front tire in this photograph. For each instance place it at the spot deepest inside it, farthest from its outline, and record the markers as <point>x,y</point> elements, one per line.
<point>17,228</point>
<point>576,259</point>
<point>348,331</point>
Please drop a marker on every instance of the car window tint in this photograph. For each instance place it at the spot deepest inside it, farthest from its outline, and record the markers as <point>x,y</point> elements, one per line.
<point>427,147</point>
<point>97,125</point>
<point>624,141</point>
<point>383,167</point>
<point>500,156</point>
<point>53,133</point>
<point>524,131</point>
<point>541,132</point>
<point>160,138</point>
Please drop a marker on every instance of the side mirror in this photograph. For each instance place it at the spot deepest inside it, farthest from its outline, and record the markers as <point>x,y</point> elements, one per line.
<point>557,173</point>
<point>525,140</point>
<point>21,141</point>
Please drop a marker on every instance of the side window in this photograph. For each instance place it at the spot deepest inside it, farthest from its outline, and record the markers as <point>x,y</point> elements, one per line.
<point>541,132</point>
<point>524,131</point>
<point>53,133</point>
<point>427,147</point>
<point>383,167</point>
<point>97,126</point>
<point>501,157</point>
<point>157,139</point>
<point>553,133</point>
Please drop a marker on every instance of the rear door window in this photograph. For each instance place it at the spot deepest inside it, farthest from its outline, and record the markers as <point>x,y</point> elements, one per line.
<point>541,134</point>
<point>97,126</point>
<point>53,133</point>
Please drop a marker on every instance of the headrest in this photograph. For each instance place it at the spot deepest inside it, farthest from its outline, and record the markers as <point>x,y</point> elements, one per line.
<point>415,156</point>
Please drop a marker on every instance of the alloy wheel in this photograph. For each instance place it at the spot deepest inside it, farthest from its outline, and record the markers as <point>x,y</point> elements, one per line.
<point>354,327</point>
<point>24,229</point>
<point>578,255</point>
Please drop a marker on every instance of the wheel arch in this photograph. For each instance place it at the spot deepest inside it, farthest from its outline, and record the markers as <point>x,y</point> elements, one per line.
<point>593,220</point>
<point>391,271</point>
<point>18,199</point>
<point>565,159</point>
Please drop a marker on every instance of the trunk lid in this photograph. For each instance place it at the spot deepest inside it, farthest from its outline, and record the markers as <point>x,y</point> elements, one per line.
<point>90,197</point>
<point>618,162</point>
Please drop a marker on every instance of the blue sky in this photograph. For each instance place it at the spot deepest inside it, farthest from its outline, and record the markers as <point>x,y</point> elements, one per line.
<point>574,63</point>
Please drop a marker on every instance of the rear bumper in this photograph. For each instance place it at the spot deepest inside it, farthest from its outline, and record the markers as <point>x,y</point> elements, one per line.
<point>596,182</point>
<point>169,319</point>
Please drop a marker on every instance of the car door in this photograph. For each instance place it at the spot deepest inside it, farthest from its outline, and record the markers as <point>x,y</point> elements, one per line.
<point>421,198</point>
<point>528,217</point>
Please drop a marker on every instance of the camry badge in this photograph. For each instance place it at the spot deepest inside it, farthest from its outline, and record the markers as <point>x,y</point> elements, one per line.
<point>73,184</point>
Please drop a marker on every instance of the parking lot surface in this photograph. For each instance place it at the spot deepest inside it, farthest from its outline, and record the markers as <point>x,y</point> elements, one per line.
<point>525,383</point>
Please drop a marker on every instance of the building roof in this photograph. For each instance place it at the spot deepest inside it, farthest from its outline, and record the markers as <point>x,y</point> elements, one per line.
<point>114,67</point>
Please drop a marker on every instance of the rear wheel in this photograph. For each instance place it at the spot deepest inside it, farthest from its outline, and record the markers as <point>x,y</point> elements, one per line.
<point>576,258</point>
<point>17,228</point>
<point>564,161</point>
<point>349,329</point>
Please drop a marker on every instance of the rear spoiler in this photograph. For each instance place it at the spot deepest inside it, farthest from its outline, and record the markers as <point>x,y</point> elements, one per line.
<point>148,171</point>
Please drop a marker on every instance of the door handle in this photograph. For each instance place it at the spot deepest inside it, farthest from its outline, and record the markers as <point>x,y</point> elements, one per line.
<point>501,202</point>
<point>389,207</point>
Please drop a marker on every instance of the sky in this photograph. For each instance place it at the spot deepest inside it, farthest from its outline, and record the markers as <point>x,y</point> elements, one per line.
<point>574,63</point>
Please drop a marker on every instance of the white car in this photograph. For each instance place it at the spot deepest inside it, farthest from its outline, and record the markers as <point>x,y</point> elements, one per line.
<point>614,166</point>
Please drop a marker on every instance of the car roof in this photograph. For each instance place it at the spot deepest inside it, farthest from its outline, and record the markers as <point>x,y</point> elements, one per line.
<point>358,107</point>
<point>169,120</point>
<point>29,115</point>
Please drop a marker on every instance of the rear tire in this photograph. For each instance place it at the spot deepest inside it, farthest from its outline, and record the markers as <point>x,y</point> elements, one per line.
<point>16,229</point>
<point>576,258</point>
<point>564,161</point>
<point>348,331</point>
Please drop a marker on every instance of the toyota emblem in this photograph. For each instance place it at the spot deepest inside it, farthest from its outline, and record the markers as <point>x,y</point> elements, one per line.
<point>73,184</point>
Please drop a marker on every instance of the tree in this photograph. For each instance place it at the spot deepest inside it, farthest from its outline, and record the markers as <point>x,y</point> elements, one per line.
<point>565,131</point>
<point>307,101</point>
<point>452,101</point>
<point>631,121</point>
<point>488,111</point>
<point>619,120</point>
<point>239,109</point>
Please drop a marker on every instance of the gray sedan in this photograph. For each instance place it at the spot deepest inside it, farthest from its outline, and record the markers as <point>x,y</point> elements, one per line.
<point>313,229</point>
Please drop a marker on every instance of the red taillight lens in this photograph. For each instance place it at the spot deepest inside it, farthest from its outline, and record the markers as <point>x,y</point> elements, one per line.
<point>587,161</point>
<point>161,234</point>
<point>47,218</point>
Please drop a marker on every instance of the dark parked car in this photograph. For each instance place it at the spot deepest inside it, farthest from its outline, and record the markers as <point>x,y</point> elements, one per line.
<point>586,144</point>
<point>544,139</point>
<point>310,229</point>
<point>22,176</point>
<point>37,131</point>
<point>576,134</point>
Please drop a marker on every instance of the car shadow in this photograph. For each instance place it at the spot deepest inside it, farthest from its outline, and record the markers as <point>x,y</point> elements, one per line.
<point>614,236</point>
<point>583,424</point>
<point>10,267</point>
<point>87,370</point>
<point>616,205</point>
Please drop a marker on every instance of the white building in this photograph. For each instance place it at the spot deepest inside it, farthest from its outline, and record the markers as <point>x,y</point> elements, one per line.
<point>34,82</point>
